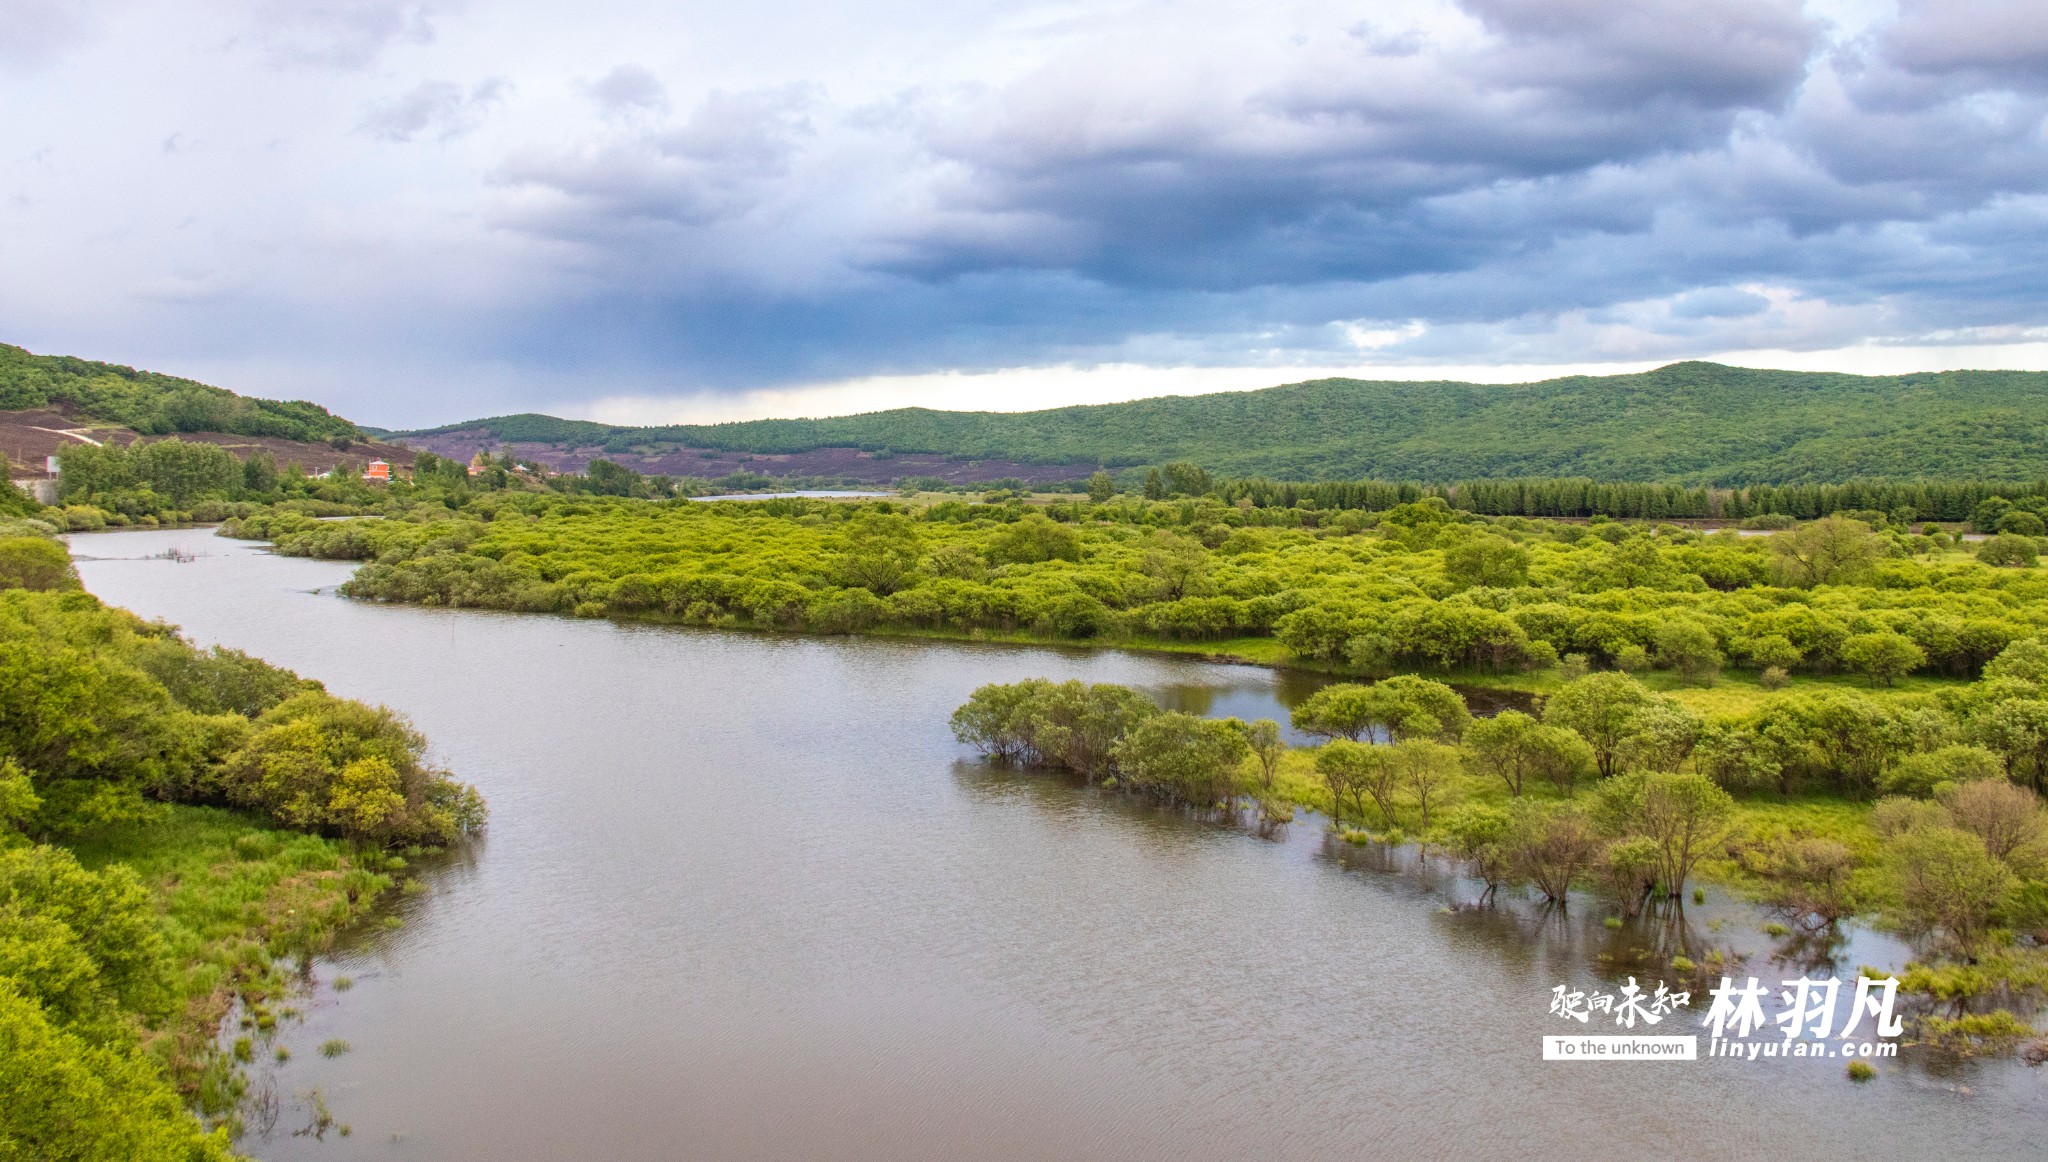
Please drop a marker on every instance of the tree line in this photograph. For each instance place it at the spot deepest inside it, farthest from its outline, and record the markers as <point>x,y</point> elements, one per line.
<point>1899,501</point>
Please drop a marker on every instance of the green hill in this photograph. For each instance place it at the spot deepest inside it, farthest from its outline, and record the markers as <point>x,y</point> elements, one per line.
<point>531,428</point>
<point>155,404</point>
<point>1696,423</point>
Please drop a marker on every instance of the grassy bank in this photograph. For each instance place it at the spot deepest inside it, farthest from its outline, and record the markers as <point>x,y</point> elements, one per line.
<point>242,906</point>
<point>181,830</point>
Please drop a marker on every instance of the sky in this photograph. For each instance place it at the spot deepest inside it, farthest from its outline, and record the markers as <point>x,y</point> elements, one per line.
<point>417,212</point>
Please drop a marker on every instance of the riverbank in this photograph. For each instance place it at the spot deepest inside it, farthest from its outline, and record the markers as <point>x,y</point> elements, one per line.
<point>181,832</point>
<point>243,907</point>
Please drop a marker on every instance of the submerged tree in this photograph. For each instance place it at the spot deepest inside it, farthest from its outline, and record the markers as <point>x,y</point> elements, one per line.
<point>1183,758</point>
<point>1683,815</point>
<point>1263,736</point>
<point>1429,772</point>
<point>1482,834</point>
<point>1551,845</point>
<point>1947,880</point>
<point>1358,772</point>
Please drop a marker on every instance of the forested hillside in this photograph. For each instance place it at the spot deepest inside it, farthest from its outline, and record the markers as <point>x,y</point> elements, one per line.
<point>1695,423</point>
<point>154,404</point>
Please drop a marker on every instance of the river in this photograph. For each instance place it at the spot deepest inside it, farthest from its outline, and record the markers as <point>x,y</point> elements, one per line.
<point>743,896</point>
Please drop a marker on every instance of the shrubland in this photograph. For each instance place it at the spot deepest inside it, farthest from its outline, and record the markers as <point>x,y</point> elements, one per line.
<point>1421,587</point>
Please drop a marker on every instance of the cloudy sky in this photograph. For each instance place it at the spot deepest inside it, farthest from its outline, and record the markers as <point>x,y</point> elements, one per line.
<point>419,211</point>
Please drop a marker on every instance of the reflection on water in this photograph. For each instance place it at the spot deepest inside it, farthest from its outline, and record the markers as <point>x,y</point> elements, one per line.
<point>1252,693</point>
<point>744,896</point>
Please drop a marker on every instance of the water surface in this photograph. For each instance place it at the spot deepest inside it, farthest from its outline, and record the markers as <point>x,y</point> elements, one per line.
<point>744,896</point>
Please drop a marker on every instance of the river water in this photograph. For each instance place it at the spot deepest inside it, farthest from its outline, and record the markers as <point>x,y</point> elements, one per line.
<point>744,896</point>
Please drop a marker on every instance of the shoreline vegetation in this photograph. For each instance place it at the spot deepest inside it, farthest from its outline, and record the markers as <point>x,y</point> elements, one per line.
<point>181,831</point>
<point>1842,719</point>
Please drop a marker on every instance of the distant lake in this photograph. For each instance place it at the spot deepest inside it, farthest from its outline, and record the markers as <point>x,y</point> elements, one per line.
<point>822,494</point>
<point>744,896</point>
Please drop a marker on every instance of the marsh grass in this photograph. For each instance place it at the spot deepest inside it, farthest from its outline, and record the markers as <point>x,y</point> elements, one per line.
<point>241,901</point>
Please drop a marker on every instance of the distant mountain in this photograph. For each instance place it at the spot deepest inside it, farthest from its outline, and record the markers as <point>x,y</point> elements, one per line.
<point>529,428</point>
<point>1695,423</point>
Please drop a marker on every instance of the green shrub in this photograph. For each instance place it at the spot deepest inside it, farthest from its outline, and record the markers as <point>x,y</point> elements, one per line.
<point>35,563</point>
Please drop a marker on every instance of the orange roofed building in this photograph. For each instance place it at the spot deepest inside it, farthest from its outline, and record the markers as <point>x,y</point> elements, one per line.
<point>378,472</point>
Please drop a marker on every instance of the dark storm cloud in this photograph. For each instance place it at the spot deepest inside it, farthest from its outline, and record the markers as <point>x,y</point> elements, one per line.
<point>1561,155</point>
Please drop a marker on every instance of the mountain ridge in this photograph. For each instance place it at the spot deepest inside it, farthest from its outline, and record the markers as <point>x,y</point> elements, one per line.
<point>1691,422</point>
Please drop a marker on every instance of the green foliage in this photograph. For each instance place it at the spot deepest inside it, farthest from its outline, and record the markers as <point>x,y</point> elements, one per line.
<point>1491,561</point>
<point>156,404</point>
<point>1481,833</point>
<point>1380,601</point>
<point>1400,707</point>
<point>1683,815</point>
<point>16,502</point>
<point>37,563</point>
<point>1829,551</point>
<point>1069,725</point>
<point>1923,773</point>
<point>1885,657</point>
<point>64,1097</point>
<point>1689,647</point>
<point>109,991</point>
<point>2009,551</point>
<point>106,713</point>
<point>320,763</point>
<point>1948,881</point>
<point>181,480</point>
<point>1516,749</point>
<point>1551,845</point>
<point>529,428</point>
<point>1630,869</point>
<point>1033,540</point>
<point>1973,1034</point>
<point>1601,709</point>
<point>1185,759</point>
<point>178,471</point>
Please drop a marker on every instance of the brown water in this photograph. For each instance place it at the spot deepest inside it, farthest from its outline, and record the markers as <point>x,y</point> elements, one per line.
<point>744,897</point>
